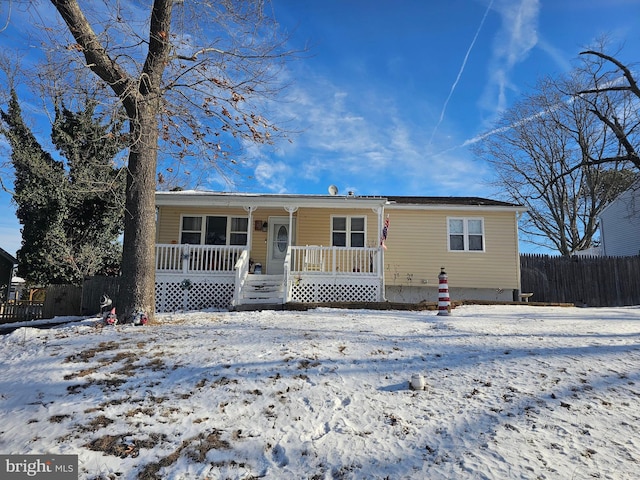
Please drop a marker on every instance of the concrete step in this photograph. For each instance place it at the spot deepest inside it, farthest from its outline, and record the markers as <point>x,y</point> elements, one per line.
<point>257,294</point>
<point>262,289</point>
<point>261,301</point>
<point>264,280</point>
<point>250,307</point>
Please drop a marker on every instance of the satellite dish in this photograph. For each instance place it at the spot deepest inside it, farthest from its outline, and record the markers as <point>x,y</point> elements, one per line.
<point>333,190</point>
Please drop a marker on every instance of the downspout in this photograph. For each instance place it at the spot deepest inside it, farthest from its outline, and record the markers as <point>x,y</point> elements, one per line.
<point>516,295</point>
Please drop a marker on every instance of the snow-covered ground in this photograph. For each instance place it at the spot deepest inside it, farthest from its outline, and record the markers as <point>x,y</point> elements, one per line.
<point>512,392</point>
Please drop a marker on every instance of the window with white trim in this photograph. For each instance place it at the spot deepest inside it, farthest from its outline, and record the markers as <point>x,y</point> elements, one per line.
<point>218,230</point>
<point>238,232</point>
<point>191,230</point>
<point>348,231</point>
<point>466,234</point>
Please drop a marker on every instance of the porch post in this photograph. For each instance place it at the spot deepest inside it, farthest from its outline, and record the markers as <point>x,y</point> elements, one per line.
<point>250,210</point>
<point>291,211</point>
<point>287,280</point>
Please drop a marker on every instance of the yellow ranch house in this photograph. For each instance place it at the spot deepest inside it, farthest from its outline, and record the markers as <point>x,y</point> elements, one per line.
<point>244,250</point>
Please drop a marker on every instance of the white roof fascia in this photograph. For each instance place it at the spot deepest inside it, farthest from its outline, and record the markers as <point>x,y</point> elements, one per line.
<point>208,199</point>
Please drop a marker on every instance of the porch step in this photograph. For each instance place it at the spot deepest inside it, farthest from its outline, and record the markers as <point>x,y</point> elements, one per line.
<point>252,307</point>
<point>262,290</point>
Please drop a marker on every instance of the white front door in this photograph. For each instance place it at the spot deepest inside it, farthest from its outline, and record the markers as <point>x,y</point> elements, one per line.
<point>278,243</point>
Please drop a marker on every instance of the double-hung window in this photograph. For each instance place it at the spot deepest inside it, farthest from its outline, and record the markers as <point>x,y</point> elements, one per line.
<point>466,234</point>
<point>238,231</point>
<point>191,230</point>
<point>348,231</point>
<point>214,230</point>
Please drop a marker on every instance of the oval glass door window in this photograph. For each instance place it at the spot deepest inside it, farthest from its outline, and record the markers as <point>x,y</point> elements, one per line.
<point>282,238</point>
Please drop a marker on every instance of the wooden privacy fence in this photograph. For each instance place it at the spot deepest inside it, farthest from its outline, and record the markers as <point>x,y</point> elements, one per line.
<point>583,281</point>
<point>20,311</point>
<point>62,301</point>
<point>92,290</point>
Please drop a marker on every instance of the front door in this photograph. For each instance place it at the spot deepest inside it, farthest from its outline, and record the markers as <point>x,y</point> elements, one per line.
<point>278,243</point>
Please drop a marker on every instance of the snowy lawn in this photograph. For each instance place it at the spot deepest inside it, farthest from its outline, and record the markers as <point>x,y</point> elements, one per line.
<point>512,392</point>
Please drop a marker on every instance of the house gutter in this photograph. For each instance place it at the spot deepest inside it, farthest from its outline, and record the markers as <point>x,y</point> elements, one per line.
<point>209,199</point>
<point>446,206</point>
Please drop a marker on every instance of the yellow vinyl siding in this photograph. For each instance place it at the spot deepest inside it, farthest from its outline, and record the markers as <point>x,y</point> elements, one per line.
<point>314,225</point>
<point>258,252</point>
<point>168,226</point>
<point>168,230</point>
<point>418,247</point>
<point>417,242</point>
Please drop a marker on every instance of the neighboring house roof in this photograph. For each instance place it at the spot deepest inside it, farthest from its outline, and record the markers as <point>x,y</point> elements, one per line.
<point>201,198</point>
<point>6,255</point>
<point>629,194</point>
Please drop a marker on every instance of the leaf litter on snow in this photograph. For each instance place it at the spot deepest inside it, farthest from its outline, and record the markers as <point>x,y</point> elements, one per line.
<point>509,392</point>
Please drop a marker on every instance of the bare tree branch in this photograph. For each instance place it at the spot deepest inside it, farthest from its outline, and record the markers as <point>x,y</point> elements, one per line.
<point>551,155</point>
<point>188,112</point>
<point>94,52</point>
<point>633,86</point>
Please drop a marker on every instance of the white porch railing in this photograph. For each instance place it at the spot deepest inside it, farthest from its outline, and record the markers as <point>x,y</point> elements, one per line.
<point>287,275</point>
<point>192,277</point>
<point>319,274</point>
<point>203,276</point>
<point>187,258</point>
<point>242,269</point>
<point>335,260</point>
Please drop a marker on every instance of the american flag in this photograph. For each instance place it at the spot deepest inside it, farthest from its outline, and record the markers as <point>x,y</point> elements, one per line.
<point>385,230</point>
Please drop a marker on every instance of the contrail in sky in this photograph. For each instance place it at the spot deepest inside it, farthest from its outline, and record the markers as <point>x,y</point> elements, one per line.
<point>524,121</point>
<point>464,63</point>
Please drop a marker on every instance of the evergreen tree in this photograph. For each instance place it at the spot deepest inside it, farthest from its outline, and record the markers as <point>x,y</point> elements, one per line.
<point>39,195</point>
<point>71,218</point>
<point>95,199</point>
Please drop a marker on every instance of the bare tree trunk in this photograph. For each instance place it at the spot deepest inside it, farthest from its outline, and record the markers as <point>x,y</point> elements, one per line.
<point>214,71</point>
<point>137,288</point>
<point>141,98</point>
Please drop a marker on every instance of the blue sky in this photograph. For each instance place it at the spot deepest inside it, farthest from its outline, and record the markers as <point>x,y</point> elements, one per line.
<point>392,95</point>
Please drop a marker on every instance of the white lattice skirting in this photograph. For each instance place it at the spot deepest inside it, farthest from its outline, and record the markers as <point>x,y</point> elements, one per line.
<point>196,292</point>
<point>177,293</point>
<point>323,290</point>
